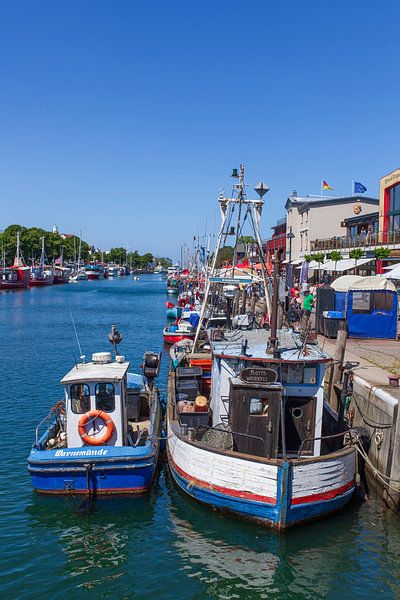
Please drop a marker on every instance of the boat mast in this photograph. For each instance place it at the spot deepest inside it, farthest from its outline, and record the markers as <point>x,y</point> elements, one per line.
<point>42,254</point>
<point>18,260</point>
<point>79,251</point>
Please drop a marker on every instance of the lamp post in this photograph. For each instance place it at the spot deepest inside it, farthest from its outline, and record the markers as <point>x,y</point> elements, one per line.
<point>289,272</point>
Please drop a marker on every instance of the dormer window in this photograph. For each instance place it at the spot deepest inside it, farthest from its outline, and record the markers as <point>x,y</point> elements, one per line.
<point>80,398</point>
<point>105,397</point>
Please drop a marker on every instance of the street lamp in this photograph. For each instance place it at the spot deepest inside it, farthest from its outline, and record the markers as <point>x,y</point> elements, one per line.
<point>289,271</point>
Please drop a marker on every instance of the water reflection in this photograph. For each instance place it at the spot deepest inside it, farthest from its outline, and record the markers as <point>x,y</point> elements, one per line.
<point>327,559</point>
<point>94,543</point>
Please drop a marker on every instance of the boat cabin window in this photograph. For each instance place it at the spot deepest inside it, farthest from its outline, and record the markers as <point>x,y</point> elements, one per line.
<point>105,397</point>
<point>259,406</point>
<point>80,398</point>
<point>299,373</point>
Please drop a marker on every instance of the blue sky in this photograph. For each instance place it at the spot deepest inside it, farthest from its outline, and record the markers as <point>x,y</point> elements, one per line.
<point>125,118</point>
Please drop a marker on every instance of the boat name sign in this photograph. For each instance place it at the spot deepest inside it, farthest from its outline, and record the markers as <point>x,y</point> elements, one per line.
<point>259,375</point>
<point>93,452</point>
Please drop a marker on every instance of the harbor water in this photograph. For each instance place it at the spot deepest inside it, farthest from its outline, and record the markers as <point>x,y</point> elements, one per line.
<point>161,545</point>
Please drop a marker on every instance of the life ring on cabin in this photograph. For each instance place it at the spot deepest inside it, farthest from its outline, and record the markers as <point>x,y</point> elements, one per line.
<point>90,439</point>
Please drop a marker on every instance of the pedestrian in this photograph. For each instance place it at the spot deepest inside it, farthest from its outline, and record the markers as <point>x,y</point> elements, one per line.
<point>308,304</point>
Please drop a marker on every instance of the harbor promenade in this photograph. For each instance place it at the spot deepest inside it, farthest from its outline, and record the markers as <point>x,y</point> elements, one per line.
<point>379,359</point>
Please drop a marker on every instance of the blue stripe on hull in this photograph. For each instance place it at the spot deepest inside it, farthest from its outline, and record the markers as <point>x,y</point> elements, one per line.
<point>313,510</point>
<point>135,479</point>
<point>280,516</point>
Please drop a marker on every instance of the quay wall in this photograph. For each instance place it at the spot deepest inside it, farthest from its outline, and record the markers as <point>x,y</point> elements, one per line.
<point>376,409</point>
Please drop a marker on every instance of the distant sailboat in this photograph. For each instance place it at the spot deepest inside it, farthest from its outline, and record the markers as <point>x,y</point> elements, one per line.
<point>79,273</point>
<point>41,274</point>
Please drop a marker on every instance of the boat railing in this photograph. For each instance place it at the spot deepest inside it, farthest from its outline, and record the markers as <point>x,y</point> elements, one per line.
<point>204,428</point>
<point>53,417</point>
<point>322,438</point>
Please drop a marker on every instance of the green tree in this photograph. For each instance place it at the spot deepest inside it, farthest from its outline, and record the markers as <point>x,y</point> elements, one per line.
<point>335,255</point>
<point>381,253</point>
<point>116,255</point>
<point>319,257</point>
<point>356,254</point>
<point>224,254</point>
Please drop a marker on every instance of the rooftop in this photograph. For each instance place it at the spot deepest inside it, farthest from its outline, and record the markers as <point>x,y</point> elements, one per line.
<point>328,200</point>
<point>90,371</point>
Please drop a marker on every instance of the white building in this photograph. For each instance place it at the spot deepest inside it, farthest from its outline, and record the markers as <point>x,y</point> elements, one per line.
<point>320,217</point>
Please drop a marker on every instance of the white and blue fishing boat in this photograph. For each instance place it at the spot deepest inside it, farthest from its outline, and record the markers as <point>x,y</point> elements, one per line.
<point>261,442</point>
<point>104,436</point>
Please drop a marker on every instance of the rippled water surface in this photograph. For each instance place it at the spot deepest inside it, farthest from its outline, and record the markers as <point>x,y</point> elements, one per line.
<point>161,545</point>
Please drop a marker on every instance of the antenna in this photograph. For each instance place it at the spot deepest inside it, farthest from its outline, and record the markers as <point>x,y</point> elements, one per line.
<point>82,356</point>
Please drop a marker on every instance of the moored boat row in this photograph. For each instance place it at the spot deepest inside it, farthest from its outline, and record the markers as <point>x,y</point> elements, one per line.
<point>248,429</point>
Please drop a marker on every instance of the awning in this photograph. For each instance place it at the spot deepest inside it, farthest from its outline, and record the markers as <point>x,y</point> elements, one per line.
<point>393,273</point>
<point>346,264</point>
<point>355,282</point>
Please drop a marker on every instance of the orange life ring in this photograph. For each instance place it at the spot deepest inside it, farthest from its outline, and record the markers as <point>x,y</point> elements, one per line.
<point>90,439</point>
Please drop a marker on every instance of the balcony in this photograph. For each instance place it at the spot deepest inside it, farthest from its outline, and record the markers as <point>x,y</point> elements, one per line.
<point>390,239</point>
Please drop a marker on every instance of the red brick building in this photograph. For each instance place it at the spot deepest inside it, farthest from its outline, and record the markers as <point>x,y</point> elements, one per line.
<point>278,239</point>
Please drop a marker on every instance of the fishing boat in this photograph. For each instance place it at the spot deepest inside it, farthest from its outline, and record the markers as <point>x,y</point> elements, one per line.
<point>94,271</point>
<point>104,436</point>
<point>248,428</point>
<point>61,273</point>
<point>113,271</point>
<point>41,274</point>
<point>173,312</point>
<point>16,276</point>
<point>176,332</point>
<point>79,275</point>
<point>172,285</point>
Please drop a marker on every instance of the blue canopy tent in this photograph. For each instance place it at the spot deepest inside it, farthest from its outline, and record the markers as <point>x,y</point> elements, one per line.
<point>369,304</point>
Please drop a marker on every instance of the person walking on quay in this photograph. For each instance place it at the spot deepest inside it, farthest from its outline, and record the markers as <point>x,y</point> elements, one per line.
<point>308,304</point>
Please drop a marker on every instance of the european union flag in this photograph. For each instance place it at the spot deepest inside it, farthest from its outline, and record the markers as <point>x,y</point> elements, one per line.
<point>359,188</point>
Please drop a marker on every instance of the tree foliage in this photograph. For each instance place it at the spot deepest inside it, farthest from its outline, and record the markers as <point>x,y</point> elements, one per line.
<point>335,255</point>
<point>381,253</point>
<point>319,257</point>
<point>224,254</point>
<point>31,244</point>
<point>356,253</point>
<point>246,239</point>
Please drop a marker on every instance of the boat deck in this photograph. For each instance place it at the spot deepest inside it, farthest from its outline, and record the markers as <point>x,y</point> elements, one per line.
<point>289,344</point>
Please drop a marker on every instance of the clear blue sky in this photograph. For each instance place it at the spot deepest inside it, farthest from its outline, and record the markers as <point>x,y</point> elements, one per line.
<point>124,118</point>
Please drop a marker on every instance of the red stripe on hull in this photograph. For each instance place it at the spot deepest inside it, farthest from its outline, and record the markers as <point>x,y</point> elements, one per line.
<point>221,489</point>
<point>41,282</point>
<point>172,339</point>
<point>324,495</point>
<point>108,491</point>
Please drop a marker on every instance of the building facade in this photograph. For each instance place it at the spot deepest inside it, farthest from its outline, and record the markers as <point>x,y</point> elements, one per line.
<point>278,239</point>
<point>389,208</point>
<point>313,219</point>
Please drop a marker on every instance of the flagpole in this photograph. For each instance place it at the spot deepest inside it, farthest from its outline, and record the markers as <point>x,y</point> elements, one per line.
<point>352,187</point>
<point>321,185</point>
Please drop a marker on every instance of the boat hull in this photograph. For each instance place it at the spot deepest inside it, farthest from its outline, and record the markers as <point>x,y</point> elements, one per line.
<point>173,338</point>
<point>275,493</point>
<point>61,279</point>
<point>112,470</point>
<point>42,282</point>
<point>172,291</point>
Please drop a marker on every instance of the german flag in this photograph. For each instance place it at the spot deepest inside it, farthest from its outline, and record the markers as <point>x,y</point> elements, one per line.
<point>325,186</point>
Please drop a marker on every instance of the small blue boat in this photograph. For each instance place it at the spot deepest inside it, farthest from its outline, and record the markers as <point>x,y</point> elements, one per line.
<point>104,437</point>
